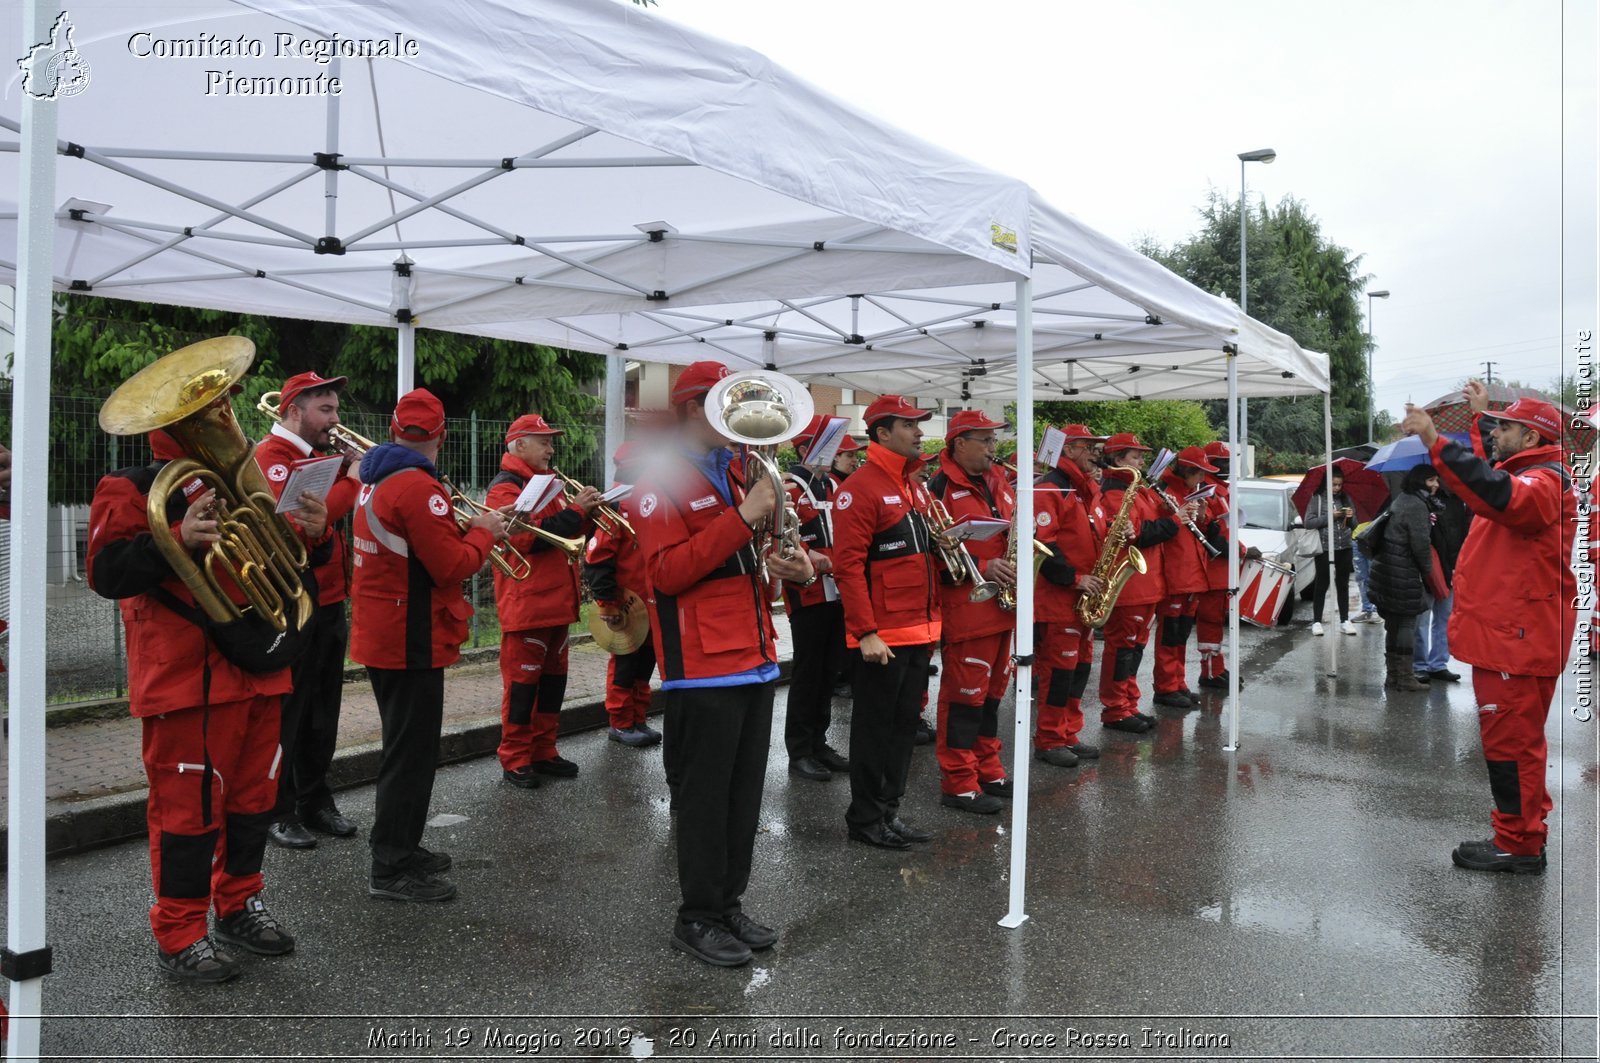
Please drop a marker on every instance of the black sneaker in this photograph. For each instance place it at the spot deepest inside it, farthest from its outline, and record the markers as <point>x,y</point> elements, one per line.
<point>711,943</point>
<point>809,768</point>
<point>523,778</point>
<point>1058,756</point>
<point>924,733</point>
<point>752,933</point>
<point>997,787</point>
<point>200,962</point>
<point>907,832</point>
<point>832,759</point>
<point>556,767</point>
<point>972,801</point>
<point>1149,720</point>
<point>1134,725</point>
<point>1486,856</point>
<point>1085,751</point>
<point>1174,699</point>
<point>430,863</point>
<point>1425,678</point>
<point>411,885</point>
<point>254,929</point>
<point>1443,675</point>
<point>291,834</point>
<point>1213,682</point>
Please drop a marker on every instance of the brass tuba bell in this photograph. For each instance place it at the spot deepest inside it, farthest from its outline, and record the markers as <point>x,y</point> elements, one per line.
<point>259,552</point>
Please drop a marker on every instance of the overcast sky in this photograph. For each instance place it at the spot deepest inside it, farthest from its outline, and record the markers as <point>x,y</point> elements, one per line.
<point>1427,136</point>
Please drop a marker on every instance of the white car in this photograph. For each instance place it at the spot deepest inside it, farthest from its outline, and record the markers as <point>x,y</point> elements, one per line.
<point>1272,526</point>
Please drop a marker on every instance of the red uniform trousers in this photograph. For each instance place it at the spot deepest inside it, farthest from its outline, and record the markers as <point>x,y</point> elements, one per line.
<point>628,686</point>
<point>533,673</point>
<point>972,681</point>
<point>1066,654</point>
<point>1127,633</point>
<point>1210,623</point>
<point>1511,717</point>
<point>205,850</point>
<point>1177,615</point>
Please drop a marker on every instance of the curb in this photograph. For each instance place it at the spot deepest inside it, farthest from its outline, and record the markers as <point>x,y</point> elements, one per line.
<point>101,821</point>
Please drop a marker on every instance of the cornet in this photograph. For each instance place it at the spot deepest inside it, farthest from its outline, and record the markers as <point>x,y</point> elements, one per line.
<point>606,516</point>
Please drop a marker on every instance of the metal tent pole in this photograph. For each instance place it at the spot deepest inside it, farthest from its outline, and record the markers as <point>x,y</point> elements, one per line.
<point>1327,485</point>
<point>616,419</point>
<point>1234,466</point>
<point>1023,648</point>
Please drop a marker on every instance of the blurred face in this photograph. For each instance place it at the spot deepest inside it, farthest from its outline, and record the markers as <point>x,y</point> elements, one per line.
<point>535,451</point>
<point>310,417</point>
<point>974,452</point>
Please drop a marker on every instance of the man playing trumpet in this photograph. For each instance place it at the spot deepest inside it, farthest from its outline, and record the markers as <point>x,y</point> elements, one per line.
<point>536,612</point>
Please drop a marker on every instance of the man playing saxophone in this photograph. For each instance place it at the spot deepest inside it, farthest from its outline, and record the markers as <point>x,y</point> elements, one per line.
<point>976,653</point>
<point>308,407</point>
<point>1127,630</point>
<point>537,612</point>
<point>1070,520</point>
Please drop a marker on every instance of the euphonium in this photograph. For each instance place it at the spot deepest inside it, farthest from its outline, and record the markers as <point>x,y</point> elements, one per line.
<point>261,554</point>
<point>763,409</point>
<point>1095,609</point>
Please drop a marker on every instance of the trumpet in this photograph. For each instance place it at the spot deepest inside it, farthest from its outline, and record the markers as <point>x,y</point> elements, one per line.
<point>956,557</point>
<point>606,516</point>
<point>346,441</point>
<point>507,559</point>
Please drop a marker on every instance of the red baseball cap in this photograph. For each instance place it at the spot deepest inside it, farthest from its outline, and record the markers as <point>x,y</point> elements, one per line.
<point>1537,414</point>
<point>1080,432</point>
<point>1217,449</point>
<point>305,382</point>
<point>893,406</point>
<point>530,424</point>
<point>627,452</point>
<point>696,380</point>
<point>848,444</point>
<point>1124,441</point>
<point>970,421</point>
<point>418,416</point>
<point>1195,457</point>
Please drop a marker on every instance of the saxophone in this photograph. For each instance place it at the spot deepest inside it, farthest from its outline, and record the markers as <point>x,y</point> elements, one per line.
<point>1007,599</point>
<point>1095,609</point>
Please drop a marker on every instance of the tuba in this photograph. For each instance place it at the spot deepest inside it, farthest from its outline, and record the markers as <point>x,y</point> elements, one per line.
<point>259,552</point>
<point>761,410</point>
<point>1095,609</point>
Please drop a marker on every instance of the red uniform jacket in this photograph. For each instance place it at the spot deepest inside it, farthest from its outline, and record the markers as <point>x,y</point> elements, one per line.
<point>406,606</point>
<point>710,612</point>
<point>990,499</point>
<point>1068,518</point>
<point>1183,560</point>
<point>1514,587</point>
<point>1150,530</point>
<point>276,456</point>
<point>812,497</point>
<point>1215,525</point>
<point>883,553</point>
<point>166,653</point>
<point>548,597</point>
<point>615,563</point>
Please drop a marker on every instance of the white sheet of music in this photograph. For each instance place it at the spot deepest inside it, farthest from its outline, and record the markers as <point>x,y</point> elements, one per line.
<point>977,528</point>
<point>541,488</point>
<point>313,476</point>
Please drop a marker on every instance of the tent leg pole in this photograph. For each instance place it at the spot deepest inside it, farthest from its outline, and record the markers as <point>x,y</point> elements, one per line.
<point>616,419</point>
<point>1022,642</point>
<point>1327,483</point>
<point>30,442</point>
<point>1235,473</point>
<point>407,360</point>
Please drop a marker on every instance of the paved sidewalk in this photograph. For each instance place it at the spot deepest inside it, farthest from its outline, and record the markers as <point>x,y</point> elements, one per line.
<point>95,784</point>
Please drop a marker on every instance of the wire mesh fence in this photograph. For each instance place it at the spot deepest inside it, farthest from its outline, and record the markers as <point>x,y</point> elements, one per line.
<point>85,652</point>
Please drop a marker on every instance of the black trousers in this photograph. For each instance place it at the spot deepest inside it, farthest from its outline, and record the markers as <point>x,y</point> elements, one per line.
<point>1343,565</point>
<point>883,731</point>
<point>720,737</point>
<point>310,720</point>
<point>1399,633</point>
<point>411,707</point>
<point>819,650</point>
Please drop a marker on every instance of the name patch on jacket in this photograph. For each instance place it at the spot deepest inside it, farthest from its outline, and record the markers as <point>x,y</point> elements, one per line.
<point>892,500</point>
<point>953,495</point>
<point>703,503</point>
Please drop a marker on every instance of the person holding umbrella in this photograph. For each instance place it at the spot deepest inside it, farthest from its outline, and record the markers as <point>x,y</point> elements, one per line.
<point>1402,557</point>
<point>1335,544</point>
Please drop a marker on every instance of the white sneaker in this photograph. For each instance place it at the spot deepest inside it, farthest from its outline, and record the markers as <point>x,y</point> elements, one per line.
<point>1348,628</point>
<point>1316,628</point>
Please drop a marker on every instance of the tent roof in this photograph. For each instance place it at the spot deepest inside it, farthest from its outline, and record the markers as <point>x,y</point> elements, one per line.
<point>600,179</point>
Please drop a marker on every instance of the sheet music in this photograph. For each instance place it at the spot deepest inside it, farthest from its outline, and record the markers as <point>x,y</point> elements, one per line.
<point>826,446</point>
<point>1050,447</point>
<point>541,488</point>
<point>617,494</point>
<point>977,528</point>
<point>309,476</point>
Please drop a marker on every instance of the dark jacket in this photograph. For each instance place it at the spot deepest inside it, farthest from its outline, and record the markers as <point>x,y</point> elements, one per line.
<point>1317,519</point>
<point>1450,531</point>
<point>1396,583</point>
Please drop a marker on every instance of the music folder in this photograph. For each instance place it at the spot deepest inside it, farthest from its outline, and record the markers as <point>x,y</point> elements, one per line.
<point>309,476</point>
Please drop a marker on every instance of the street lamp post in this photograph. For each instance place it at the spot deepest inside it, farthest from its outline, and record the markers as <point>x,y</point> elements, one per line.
<point>1372,385</point>
<point>1263,155</point>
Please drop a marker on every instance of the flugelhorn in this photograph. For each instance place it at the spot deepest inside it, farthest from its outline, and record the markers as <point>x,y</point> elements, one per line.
<point>606,516</point>
<point>762,409</point>
<point>261,554</point>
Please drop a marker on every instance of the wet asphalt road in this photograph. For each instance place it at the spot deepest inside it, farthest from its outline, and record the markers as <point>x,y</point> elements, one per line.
<point>1294,898</point>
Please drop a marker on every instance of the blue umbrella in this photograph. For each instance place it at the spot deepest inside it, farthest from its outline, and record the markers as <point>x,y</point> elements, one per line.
<point>1406,453</point>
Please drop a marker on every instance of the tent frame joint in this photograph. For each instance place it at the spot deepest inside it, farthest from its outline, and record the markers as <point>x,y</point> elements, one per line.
<point>80,286</point>
<point>403,316</point>
<point>657,296</point>
<point>329,245</point>
<point>328,160</point>
<point>25,966</point>
<point>1022,660</point>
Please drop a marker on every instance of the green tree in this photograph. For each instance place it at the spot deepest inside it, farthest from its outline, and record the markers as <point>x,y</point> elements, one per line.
<point>1300,284</point>
<point>1171,423</point>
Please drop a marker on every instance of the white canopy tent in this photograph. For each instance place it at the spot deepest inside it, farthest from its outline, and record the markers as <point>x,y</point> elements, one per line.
<point>589,178</point>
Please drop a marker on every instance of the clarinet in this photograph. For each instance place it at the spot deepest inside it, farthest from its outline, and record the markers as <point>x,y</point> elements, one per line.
<point>1194,529</point>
